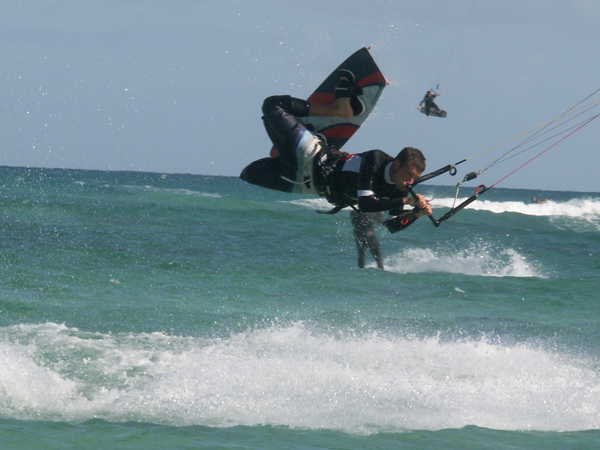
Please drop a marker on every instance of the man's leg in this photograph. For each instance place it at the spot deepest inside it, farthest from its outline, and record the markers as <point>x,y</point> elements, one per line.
<point>280,115</point>
<point>296,145</point>
<point>283,129</point>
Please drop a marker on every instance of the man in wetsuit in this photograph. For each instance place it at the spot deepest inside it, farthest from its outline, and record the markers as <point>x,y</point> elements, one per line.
<point>372,181</point>
<point>429,104</point>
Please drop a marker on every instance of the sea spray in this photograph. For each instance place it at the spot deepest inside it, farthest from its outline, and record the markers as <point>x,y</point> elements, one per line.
<point>298,376</point>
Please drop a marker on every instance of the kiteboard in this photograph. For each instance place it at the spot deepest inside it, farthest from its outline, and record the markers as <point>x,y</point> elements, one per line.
<point>367,75</point>
<point>267,172</point>
<point>433,112</point>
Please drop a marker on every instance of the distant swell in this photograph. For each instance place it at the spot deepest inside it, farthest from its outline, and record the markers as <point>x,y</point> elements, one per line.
<point>585,211</point>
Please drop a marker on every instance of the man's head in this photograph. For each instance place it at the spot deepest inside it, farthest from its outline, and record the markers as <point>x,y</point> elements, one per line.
<point>407,167</point>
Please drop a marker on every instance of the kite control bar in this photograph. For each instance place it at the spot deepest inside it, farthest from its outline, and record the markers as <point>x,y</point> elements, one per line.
<point>478,191</point>
<point>450,168</point>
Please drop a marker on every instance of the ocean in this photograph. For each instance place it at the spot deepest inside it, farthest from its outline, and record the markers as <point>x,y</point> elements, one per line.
<point>160,311</point>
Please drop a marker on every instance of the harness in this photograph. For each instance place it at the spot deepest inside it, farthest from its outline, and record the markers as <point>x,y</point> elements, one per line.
<point>324,174</point>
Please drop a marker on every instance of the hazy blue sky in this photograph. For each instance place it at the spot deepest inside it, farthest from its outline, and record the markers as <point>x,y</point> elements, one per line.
<point>176,86</point>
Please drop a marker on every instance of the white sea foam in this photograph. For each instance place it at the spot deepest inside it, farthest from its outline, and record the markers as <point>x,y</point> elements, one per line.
<point>584,211</point>
<point>297,377</point>
<point>582,207</point>
<point>317,203</point>
<point>477,261</point>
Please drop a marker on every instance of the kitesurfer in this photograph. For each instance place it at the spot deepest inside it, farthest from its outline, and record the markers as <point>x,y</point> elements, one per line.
<point>371,181</point>
<point>365,236</point>
<point>429,104</point>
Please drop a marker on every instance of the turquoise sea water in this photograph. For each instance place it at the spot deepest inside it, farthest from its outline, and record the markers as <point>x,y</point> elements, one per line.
<point>143,311</point>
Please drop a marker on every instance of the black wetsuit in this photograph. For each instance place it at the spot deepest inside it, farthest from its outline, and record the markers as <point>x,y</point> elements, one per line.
<point>292,170</point>
<point>306,165</point>
<point>429,104</point>
<point>362,179</point>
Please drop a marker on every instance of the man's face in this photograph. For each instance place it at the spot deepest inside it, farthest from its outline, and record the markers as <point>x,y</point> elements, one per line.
<point>403,176</point>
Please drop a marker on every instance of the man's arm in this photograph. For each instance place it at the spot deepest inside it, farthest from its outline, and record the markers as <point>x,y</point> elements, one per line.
<point>369,203</point>
<point>404,219</point>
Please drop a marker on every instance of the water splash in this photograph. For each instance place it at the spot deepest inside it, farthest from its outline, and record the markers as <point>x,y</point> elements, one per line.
<point>293,376</point>
<point>477,261</point>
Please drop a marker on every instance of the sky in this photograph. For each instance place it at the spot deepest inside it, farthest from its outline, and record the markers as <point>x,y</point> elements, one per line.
<point>176,86</point>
